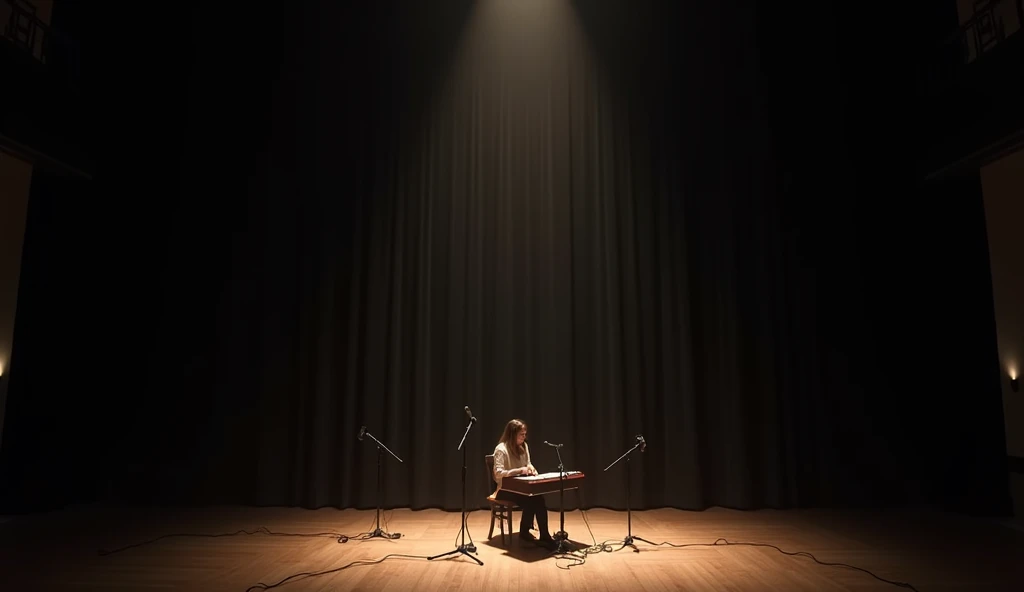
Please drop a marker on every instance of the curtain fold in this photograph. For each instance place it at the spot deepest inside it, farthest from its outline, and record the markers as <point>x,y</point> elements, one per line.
<point>603,218</point>
<point>544,235</point>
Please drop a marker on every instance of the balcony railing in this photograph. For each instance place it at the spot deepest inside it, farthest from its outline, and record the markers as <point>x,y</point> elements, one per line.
<point>21,28</point>
<point>991,25</point>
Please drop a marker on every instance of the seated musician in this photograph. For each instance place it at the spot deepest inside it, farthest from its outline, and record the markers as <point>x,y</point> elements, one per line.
<point>512,459</point>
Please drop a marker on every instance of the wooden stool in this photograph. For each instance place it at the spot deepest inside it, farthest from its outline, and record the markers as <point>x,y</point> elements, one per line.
<point>500,509</point>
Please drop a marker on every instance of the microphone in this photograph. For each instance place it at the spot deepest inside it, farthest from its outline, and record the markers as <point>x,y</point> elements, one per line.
<point>643,443</point>
<point>362,432</point>
<point>470,414</point>
<point>553,445</point>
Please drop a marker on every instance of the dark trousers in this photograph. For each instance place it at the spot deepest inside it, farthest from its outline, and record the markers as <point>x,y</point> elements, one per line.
<point>532,505</point>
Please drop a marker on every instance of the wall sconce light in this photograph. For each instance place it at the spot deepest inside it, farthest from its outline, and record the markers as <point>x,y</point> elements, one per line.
<point>1014,380</point>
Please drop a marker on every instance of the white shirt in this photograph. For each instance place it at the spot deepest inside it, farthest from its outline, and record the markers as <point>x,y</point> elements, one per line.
<point>505,463</point>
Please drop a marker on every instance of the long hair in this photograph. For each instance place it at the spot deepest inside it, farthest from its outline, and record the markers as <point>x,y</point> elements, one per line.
<point>508,438</point>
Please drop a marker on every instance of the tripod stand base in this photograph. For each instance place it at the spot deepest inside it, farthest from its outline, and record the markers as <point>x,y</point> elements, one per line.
<point>629,541</point>
<point>466,550</point>
<point>380,534</point>
<point>562,544</point>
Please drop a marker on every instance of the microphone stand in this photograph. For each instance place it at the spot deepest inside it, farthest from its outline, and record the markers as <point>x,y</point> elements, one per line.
<point>463,548</point>
<point>377,532</point>
<point>561,536</point>
<point>628,541</point>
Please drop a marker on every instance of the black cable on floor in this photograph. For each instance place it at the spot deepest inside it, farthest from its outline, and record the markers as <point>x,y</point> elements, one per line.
<point>313,574</point>
<point>576,557</point>
<point>342,538</point>
<point>721,542</point>
<point>580,557</point>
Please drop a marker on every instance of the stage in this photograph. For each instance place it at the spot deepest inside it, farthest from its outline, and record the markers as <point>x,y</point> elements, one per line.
<point>932,551</point>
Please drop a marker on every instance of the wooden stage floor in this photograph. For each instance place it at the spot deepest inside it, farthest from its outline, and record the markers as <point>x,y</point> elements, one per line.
<point>931,551</point>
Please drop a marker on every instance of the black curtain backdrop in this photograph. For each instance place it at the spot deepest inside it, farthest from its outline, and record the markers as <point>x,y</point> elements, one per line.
<point>605,219</point>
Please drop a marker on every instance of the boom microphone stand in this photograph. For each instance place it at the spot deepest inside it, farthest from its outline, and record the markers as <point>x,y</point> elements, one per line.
<point>463,547</point>
<point>377,532</point>
<point>561,536</point>
<point>628,541</point>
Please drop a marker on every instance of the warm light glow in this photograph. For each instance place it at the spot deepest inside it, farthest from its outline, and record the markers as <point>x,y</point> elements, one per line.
<point>1,367</point>
<point>1013,372</point>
